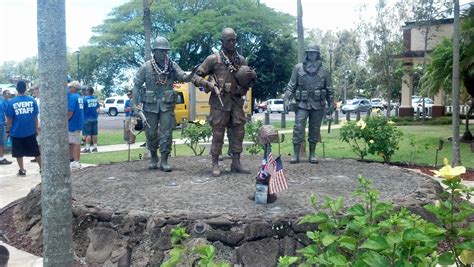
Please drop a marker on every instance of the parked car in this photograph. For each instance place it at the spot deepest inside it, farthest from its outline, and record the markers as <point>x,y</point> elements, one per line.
<point>114,105</point>
<point>275,105</point>
<point>360,104</point>
<point>377,103</point>
<point>417,104</point>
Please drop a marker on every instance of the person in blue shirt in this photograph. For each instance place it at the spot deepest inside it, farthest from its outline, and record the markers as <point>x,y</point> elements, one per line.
<point>22,127</point>
<point>128,119</point>
<point>91,114</point>
<point>75,114</point>
<point>3,109</point>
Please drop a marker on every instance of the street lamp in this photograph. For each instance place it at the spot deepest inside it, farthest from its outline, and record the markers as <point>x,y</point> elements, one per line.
<point>78,52</point>
<point>346,77</point>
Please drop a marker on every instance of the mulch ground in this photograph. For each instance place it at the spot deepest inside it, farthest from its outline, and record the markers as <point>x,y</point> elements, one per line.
<point>9,234</point>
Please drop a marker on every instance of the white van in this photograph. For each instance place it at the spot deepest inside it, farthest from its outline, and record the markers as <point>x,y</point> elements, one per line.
<point>114,105</point>
<point>275,105</point>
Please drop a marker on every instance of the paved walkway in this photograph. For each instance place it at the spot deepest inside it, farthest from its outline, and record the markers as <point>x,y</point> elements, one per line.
<point>13,187</point>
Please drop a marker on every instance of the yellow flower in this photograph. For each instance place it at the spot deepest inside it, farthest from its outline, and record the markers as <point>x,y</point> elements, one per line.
<point>376,110</point>
<point>259,119</point>
<point>448,172</point>
<point>390,122</point>
<point>361,123</point>
<point>201,122</point>
<point>371,141</point>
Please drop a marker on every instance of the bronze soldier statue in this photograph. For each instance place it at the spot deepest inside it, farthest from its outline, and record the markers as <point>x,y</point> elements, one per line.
<point>310,86</point>
<point>158,100</point>
<point>231,79</point>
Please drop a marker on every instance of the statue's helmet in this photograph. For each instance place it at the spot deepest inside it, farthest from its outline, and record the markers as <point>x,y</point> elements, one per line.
<point>313,47</point>
<point>160,43</point>
<point>242,78</point>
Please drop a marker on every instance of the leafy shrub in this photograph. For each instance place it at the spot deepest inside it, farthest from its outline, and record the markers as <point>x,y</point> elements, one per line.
<point>371,234</point>
<point>195,132</point>
<point>251,132</point>
<point>375,135</point>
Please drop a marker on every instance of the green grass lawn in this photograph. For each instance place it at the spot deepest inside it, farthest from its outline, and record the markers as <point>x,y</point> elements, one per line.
<point>106,138</point>
<point>418,145</point>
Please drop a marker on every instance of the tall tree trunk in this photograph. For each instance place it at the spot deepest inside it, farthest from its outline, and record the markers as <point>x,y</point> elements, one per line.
<point>456,36</point>
<point>147,26</point>
<point>300,31</point>
<point>55,175</point>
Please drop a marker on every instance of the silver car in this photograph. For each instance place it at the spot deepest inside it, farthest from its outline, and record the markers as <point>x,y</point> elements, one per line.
<point>355,105</point>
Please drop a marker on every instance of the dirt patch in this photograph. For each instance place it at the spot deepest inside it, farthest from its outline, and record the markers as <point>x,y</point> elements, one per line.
<point>142,205</point>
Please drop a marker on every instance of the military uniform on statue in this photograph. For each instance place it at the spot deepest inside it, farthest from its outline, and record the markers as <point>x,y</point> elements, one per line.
<point>159,100</point>
<point>310,87</point>
<point>232,78</point>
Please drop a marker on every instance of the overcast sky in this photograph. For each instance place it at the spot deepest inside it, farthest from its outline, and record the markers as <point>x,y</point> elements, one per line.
<point>18,20</point>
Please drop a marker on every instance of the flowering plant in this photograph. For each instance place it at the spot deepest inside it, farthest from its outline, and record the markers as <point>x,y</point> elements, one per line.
<point>455,212</point>
<point>195,132</point>
<point>375,135</point>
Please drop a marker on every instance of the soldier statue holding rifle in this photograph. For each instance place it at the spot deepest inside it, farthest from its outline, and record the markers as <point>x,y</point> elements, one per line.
<point>230,80</point>
<point>159,100</point>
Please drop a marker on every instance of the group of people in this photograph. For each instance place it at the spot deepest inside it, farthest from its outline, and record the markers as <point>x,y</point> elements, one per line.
<point>20,123</point>
<point>82,113</point>
<point>226,76</point>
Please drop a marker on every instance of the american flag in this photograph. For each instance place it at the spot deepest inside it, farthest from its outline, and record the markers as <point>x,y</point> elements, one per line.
<point>278,180</point>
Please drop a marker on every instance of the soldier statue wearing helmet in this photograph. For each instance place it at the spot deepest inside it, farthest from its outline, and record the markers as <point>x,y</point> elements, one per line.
<point>155,102</point>
<point>229,83</point>
<point>310,87</point>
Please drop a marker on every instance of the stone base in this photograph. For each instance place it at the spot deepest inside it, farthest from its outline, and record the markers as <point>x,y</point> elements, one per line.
<point>437,111</point>
<point>124,213</point>
<point>405,112</point>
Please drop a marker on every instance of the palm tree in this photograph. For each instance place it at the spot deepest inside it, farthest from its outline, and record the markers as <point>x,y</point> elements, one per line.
<point>439,74</point>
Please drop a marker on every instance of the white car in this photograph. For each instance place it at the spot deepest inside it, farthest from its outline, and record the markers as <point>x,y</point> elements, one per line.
<point>114,105</point>
<point>417,103</point>
<point>275,105</point>
<point>377,103</point>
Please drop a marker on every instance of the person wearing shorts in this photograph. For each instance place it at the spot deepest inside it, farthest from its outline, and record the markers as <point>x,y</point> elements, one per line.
<point>22,127</point>
<point>75,123</point>
<point>91,115</point>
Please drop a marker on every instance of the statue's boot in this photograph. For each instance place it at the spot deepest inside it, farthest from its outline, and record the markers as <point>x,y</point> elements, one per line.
<point>153,164</point>
<point>296,154</point>
<point>216,172</point>
<point>235,166</point>
<point>312,155</point>
<point>164,166</point>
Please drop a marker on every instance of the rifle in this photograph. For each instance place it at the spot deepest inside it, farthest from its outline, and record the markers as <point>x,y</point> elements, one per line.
<point>218,93</point>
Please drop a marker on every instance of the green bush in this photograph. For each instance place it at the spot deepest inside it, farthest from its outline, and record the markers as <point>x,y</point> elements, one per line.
<point>446,120</point>
<point>251,132</point>
<point>375,135</point>
<point>373,233</point>
<point>195,132</point>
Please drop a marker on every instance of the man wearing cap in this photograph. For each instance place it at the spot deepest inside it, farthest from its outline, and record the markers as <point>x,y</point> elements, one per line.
<point>159,100</point>
<point>75,107</point>
<point>229,83</point>
<point>310,86</point>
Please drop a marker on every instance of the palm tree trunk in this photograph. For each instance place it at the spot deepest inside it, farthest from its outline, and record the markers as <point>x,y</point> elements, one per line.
<point>456,160</point>
<point>147,26</point>
<point>55,175</point>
